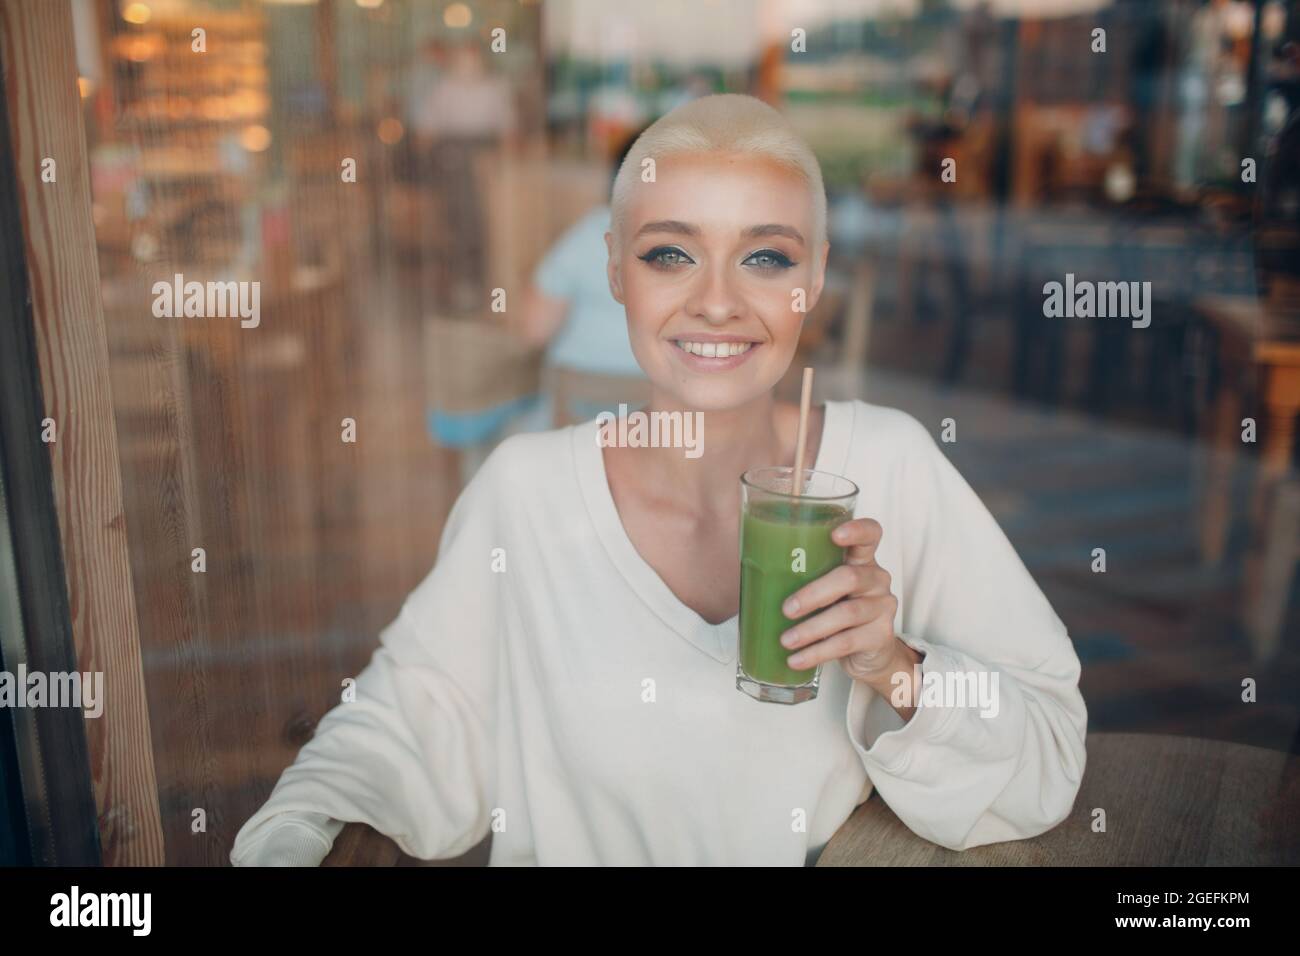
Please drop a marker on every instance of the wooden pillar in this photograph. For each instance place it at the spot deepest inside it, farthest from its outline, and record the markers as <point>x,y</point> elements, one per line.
<point>44,113</point>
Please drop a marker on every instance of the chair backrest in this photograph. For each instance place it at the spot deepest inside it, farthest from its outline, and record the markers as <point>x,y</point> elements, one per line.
<point>529,200</point>
<point>475,364</point>
<point>576,393</point>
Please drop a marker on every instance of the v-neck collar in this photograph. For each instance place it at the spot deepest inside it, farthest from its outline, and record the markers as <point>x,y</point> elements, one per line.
<point>716,640</point>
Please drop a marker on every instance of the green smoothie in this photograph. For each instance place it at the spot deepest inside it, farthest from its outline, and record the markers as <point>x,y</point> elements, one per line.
<point>770,571</point>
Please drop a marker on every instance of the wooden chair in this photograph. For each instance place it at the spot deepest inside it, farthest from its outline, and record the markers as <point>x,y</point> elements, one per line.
<point>572,388</point>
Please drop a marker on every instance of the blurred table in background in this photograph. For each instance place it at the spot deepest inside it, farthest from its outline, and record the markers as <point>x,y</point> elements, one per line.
<point>1169,801</point>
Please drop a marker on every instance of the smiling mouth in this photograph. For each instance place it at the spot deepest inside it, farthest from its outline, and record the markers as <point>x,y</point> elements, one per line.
<point>714,349</point>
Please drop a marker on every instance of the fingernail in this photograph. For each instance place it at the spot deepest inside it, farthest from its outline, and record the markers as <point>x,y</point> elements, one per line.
<point>787,639</point>
<point>791,607</point>
<point>794,661</point>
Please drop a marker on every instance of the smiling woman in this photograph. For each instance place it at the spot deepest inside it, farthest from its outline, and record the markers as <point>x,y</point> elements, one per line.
<point>565,677</point>
<point>713,250</point>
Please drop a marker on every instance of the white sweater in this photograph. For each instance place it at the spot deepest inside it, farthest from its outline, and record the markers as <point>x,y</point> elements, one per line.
<point>571,705</point>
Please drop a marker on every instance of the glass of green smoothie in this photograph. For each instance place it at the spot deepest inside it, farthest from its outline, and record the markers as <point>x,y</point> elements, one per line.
<point>785,542</point>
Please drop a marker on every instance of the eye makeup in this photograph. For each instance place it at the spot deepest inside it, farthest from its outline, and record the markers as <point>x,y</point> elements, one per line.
<point>776,259</point>
<point>766,260</point>
<point>665,257</point>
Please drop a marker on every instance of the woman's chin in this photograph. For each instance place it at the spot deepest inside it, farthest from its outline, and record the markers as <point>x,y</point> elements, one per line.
<point>712,396</point>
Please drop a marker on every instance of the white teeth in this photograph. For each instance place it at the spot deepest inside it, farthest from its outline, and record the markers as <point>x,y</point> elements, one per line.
<point>714,349</point>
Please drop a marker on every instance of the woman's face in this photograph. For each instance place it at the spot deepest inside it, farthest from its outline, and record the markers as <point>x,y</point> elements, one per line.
<point>717,257</point>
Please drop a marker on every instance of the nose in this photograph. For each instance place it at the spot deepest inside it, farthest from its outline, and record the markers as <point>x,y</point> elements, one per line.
<point>714,296</point>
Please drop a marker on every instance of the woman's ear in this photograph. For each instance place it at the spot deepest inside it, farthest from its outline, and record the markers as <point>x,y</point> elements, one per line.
<point>611,270</point>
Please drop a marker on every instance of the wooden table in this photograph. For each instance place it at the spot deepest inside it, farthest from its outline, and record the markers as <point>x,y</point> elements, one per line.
<point>360,845</point>
<point>1169,801</point>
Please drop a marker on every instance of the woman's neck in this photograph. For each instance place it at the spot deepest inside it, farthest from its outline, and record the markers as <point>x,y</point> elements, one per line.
<point>732,440</point>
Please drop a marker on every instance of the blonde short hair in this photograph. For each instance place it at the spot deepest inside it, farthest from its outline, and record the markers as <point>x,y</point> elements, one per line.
<point>725,122</point>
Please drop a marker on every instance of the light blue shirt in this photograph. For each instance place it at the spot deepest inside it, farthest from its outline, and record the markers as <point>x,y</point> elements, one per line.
<point>594,335</point>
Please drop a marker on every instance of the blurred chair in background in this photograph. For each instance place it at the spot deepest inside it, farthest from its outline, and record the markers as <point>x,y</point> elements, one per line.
<point>486,376</point>
<point>569,310</point>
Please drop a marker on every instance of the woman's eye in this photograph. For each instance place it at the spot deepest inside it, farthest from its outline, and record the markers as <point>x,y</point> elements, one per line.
<point>770,259</point>
<point>665,256</point>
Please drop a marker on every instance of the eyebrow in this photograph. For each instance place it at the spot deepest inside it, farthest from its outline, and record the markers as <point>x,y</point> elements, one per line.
<point>753,232</point>
<point>773,229</point>
<point>669,225</point>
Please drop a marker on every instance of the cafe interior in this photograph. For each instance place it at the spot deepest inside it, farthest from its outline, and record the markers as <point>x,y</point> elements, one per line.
<point>381,166</point>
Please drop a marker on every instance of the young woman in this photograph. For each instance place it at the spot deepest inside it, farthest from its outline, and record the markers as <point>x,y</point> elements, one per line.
<point>565,676</point>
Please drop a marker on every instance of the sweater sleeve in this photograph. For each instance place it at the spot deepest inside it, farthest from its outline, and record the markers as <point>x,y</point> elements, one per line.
<point>293,838</point>
<point>984,767</point>
<point>412,754</point>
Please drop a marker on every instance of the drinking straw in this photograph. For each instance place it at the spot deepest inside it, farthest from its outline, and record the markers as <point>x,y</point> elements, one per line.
<point>804,401</point>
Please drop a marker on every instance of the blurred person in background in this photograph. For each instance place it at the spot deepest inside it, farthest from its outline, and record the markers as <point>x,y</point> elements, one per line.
<point>569,310</point>
<point>464,113</point>
<point>425,74</point>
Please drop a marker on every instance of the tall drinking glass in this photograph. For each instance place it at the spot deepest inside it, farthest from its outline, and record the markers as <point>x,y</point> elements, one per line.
<point>785,542</point>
